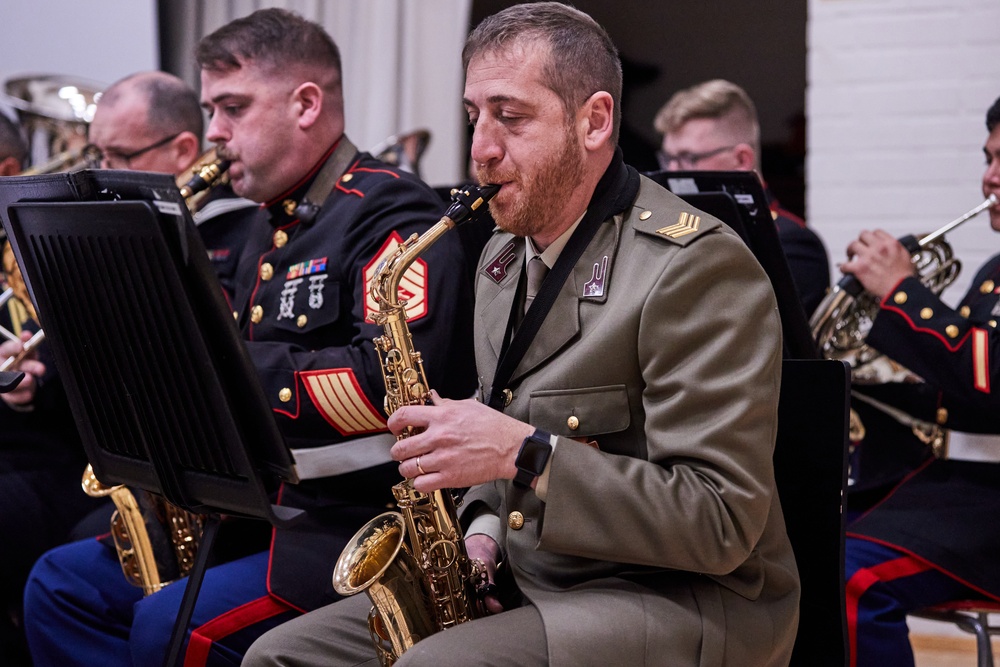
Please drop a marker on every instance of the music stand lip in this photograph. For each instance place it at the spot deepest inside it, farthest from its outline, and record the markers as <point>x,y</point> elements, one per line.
<point>9,380</point>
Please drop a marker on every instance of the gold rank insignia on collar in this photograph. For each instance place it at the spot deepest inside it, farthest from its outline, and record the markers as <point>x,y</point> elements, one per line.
<point>289,205</point>
<point>686,224</point>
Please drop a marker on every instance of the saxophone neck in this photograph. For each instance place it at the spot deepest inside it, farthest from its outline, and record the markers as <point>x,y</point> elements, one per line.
<point>467,204</point>
<point>385,284</point>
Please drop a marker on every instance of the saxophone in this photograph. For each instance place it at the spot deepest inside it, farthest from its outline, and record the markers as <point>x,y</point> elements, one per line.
<point>157,541</point>
<point>429,583</point>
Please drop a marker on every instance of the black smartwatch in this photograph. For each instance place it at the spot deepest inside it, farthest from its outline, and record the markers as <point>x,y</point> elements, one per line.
<point>535,452</point>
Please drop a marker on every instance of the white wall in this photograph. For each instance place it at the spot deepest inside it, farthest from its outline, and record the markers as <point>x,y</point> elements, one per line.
<point>86,44</point>
<point>897,92</point>
<point>100,41</point>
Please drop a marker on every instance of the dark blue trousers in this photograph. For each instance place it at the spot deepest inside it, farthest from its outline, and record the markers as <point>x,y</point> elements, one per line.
<point>80,610</point>
<point>883,584</point>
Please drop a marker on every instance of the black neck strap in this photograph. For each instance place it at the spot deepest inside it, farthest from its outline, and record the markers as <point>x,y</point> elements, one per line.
<point>615,192</point>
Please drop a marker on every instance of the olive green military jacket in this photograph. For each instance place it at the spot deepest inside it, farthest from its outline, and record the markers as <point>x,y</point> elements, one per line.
<point>665,544</point>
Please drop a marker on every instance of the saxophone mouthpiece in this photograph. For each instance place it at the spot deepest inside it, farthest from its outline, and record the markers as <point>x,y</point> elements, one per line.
<point>467,202</point>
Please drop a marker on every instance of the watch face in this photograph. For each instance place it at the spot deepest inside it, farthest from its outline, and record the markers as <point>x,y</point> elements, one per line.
<point>534,454</point>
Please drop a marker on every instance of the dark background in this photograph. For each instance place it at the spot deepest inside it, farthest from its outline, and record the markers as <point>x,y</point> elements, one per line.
<point>667,45</point>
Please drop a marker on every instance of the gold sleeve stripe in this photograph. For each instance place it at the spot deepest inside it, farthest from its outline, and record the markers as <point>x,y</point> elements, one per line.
<point>981,360</point>
<point>686,224</point>
<point>338,396</point>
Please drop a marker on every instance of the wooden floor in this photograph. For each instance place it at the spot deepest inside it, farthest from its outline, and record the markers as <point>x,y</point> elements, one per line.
<point>939,651</point>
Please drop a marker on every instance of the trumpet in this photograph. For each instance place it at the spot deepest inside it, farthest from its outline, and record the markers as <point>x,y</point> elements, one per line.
<point>844,318</point>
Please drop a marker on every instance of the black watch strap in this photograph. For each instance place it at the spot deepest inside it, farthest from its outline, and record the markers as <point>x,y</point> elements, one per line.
<point>532,458</point>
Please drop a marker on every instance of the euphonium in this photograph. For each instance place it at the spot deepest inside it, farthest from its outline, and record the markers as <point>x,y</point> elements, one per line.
<point>843,319</point>
<point>428,583</point>
<point>156,540</point>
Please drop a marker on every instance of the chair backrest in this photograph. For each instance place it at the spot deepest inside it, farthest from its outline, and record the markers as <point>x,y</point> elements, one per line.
<point>810,463</point>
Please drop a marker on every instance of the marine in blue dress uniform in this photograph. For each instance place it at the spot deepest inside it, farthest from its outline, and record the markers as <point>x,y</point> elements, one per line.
<point>933,537</point>
<point>271,84</point>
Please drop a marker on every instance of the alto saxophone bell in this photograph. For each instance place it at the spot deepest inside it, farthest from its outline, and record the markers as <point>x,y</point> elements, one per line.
<point>412,563</point>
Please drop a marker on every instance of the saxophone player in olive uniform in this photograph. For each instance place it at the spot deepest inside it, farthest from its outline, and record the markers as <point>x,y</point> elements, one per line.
<point>625,474</point>
<point>932,539</point>
<point>271,84</point>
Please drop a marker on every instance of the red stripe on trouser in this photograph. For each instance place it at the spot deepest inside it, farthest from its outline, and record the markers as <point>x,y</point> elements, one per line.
<point>232,621</point>
<point>867,577</point>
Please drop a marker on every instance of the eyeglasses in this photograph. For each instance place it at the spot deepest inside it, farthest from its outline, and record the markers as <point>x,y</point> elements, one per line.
<point>114,159</point>
<point>688,160</point>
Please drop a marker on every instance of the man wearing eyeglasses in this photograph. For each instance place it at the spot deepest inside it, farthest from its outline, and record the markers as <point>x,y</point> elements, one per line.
<point>149,121</point>
<point>713,126</point>
<point>152,121</point>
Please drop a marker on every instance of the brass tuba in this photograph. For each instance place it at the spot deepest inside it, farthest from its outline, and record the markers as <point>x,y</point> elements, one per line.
<point>844,318</point>
<point>404,150</point>
<point>429,583</point>
<point>54,111</point>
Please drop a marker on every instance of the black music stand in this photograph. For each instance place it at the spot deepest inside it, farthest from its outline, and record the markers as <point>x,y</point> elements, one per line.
<point>810,469</point>
<point>738,199</point>
<point>9,380</point>
<point>162,389</point>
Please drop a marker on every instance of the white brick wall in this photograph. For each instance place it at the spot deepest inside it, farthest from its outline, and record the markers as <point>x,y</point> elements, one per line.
<point>897,91</point>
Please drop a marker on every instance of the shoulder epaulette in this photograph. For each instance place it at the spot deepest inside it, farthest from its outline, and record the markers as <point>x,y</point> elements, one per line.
<point>676,226</point>
<point>354,180</point>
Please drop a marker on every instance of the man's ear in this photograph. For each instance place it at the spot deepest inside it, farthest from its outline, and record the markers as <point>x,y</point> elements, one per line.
<point>308,101</point>
<point>597,120</point>
<point>745,156</point>
<point>188,149</point>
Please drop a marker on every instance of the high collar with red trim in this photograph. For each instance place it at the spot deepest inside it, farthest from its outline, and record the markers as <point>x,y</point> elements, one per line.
<point>282,209</point>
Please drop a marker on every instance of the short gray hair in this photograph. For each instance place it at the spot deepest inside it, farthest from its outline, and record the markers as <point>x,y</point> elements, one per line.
<point>583,60</point>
